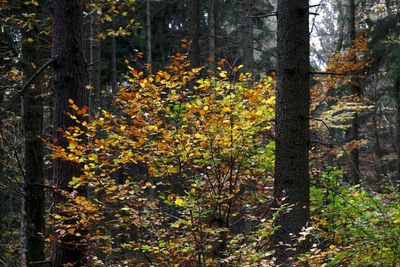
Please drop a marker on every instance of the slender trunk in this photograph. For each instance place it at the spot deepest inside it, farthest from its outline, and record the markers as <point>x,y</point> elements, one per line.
<point>33,196</point>
<point>341,23</point>
<point>377,144</point>
<point>148,35</point>
<point>248,37</point>
<point>211,35</point>
<point>397,130</point>
<point>86,31</point>
<point>68,83</point>
<point>3,195</point>
<point>195,25</point>
<point>353,135</point>
<point>95,64</point>
<point>292,182</point>
<point>114,62</point>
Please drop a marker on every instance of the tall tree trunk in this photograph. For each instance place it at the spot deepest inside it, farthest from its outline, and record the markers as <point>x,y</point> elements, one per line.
<point>211,35</point>
<point>397,131</point>
<point>114,61</point>
<point>68,83</point>
<point>195,25</point>
<point>148,35</point>
<point>292,182</point>
<point>341,23</point>
<point>33,196</point>
<point>353,135</point>
<point>95,64</point>
<point>248,37</point>
<point>377,144</point>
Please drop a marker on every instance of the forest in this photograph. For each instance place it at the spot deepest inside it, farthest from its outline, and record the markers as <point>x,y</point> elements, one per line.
<point>199,133</point>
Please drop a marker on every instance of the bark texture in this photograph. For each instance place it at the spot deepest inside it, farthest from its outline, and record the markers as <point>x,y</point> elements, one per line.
<point>114,62</point>
<point>149,59</point>
<point>68,83</point>
<point>33,196</point>
<point>292,125</point>
<point>195,28</point>
<point>95,58</point>
<point>397,130</point>
<point>353,134</point>
<point>248,37</point>
<point>211,34</point>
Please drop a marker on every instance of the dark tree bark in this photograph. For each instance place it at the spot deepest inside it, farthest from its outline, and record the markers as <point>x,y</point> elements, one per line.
<point>195,28</point>
<point>211,34</point>
<point>68,83</point>
<point>396,96</point>
<point>292,180</point>
<point>114,62</point>
<point>353,134</point>
<point>248,37</point>
<point>149,59</point>
<point>341,23</point>
<point>95,64</point>
<point>33,195</point>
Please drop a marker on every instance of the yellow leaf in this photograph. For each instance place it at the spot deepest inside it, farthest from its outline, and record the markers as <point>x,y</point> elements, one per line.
<point>180,202</point>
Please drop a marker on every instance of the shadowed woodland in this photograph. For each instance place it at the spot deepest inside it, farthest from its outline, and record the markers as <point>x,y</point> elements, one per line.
<point>199,133</point>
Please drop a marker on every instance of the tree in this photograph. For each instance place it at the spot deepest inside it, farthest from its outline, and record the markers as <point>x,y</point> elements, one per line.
<point>353,134</point>
<point>148,35</point>
<point>68,83</point>
<point>95,60</point>
<point>292,182</point>
<point>195,31</point>
<point>33,196</point>
<point>248,36</point>
<point>212,34</point>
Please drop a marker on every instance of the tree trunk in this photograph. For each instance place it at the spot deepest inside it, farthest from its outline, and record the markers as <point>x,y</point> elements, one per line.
<point>33,196</point>
<point>211,35</point>
<point>148,35</point>
<point>377,144</point>
<point>353,135</point>
<point>114,62</point>
<point>292,182</point>
<point>68,83</point>
<point>340,23</point>
<point>397,131</point>
<point>95,58</point>
<point>195,25</point>
<point>248,37</point>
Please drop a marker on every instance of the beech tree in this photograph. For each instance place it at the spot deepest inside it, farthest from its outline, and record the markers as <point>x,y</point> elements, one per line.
<point>292,182</point>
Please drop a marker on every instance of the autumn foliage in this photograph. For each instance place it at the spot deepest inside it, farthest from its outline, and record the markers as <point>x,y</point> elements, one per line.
<point>178,175</point>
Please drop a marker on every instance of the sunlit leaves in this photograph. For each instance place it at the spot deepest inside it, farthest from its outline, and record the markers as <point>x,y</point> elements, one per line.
<point>199,142</point>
